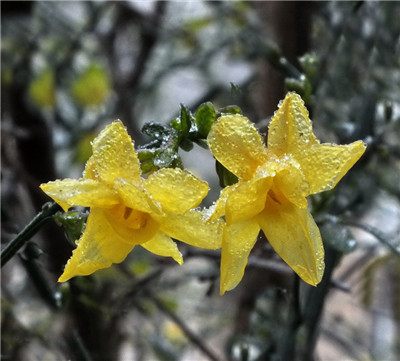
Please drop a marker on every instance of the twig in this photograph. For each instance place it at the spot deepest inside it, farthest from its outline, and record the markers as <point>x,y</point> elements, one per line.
<point>376,233</point>
<point>195,339</point>
<point>48,210</point>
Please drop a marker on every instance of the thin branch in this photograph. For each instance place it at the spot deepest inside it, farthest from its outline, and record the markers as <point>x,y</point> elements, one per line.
<point>195,339</point>
<point>48,210</point>
<point>376,233</point>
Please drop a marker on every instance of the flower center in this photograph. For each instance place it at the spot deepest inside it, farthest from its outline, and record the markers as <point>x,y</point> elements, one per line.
<point>129,217</point>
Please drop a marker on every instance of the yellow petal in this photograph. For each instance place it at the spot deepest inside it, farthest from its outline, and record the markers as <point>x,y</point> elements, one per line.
<point>178,191</point>
<point>239,240</point>
<point>325,164</point>
<point>192,229</point>
<point>237,145</point>
<point>164,246</point>
<point>293,234</point>
<point>290,130</point>
<point>80,192</point>
<point>135,197</point>
<point>217,210</point>
<point>291,181</point>
<point>99,247</point>
<point>90,169</point>
<point>114,155</point>
<point>247,200</point>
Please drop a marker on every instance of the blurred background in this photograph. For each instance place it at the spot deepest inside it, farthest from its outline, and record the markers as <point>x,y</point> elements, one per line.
<point>70,68</point>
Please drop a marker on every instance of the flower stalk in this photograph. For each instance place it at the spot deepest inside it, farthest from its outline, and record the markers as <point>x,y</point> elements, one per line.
<point>47,212</point>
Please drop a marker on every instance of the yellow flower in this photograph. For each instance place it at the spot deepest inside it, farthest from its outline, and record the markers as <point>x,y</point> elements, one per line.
<point>274,182</point>
<point>127,210</point>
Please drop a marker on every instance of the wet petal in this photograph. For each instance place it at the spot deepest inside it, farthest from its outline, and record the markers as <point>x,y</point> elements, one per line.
<point>217,210</point>
<point>237,145</point>
<point>291,181</point>
<point>192,229</point>
<point>290,130</point>
<point>114,155</point>
<point>135,197</point>
<point>164,246</point>
<point>178,191</point>
<point>80,192</point>
<point>325,164</point>
<point>239,240</point>
<point>247,200</point>
<point>90,169</point>
<point>293,234</point>
<point>99,247</point>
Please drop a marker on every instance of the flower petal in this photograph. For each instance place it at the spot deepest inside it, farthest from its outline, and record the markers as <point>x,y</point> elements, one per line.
<point>325,164</point>
<point>217,210</point>
<point>135,197</point>
<point>90,169</point>
<point>114,154</point>
<point>293,234</point>
<point>178,191</point>
<point>291,181</point>
<point>192,229</point>
<point>164,246</point>
<point>290,130</point>
<point>80,192</point>
<point>237,145</point>
<point>239,240</point>
<point>98,247</point>
<point>247,200</point>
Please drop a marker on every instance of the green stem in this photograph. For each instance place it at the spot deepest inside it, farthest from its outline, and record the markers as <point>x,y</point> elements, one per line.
<point>48,210</point>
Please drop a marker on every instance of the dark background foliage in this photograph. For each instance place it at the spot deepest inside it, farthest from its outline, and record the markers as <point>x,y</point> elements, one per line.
<point>69,68</point>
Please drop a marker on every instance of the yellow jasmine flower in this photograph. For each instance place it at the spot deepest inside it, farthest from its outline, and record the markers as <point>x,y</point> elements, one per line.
<point>127,210</point>
<point>274,182</point>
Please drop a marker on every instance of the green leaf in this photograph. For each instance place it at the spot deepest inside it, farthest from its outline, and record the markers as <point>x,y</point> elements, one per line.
<point>147,166</point>
<point>235,89</point>
<point>205,117</point>
<point>226,178</point>
<point>147,154</point>
<point>167,158</point>
<point>73,223</point>
<point>184,122</point>
<point>156,131</point>
<point>301,86</point>
<point>229,109</point>
<point>310,64</point>
<point>186,145</point>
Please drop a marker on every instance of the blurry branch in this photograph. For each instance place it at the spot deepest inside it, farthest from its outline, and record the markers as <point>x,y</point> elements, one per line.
<point>394,245</point>
<point>48,210</point>
<point>127,87</point>
<point>141,286</point>
<point>272,265</point>
<point>149,37</point>
<point>195,339</point>
<point>315,302</point>
<point>35,273</point>
<point>287,346</point>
